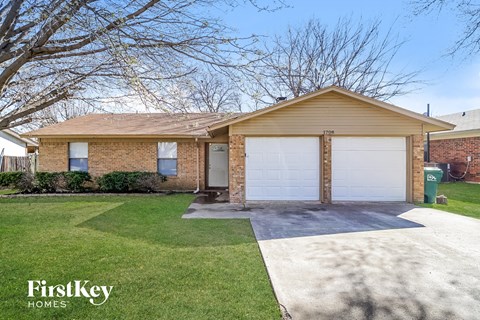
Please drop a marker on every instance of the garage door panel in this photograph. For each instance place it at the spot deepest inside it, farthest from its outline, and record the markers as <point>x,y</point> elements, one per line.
<point>310,175</point>
<point>370,144</point>
<point>282,168</point>
<point>368,169</point>
<point>272,174</point>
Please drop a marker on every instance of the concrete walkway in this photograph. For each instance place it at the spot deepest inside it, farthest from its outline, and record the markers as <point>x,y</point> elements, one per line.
<point>365,261</point>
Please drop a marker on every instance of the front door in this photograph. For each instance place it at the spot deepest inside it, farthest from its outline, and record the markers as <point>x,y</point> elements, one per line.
<point>218,165</point>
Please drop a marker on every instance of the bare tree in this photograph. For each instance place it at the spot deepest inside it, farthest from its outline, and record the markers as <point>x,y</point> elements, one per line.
<point>215,93</point>
<point>53,50</point>
<point>206,91</point>
<point>353,56</point>
<point>467,12</point>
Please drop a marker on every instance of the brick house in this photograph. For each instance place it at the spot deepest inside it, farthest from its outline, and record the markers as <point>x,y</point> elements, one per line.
<point>329,145</point>
<point>460,147</point>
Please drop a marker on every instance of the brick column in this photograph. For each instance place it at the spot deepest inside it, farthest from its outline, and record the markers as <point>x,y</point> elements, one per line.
<point>417,167</point>
<point>327,168</point>
<point>236,172</point>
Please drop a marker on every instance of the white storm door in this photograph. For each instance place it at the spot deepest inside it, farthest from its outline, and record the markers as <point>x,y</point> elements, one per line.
<point>218,165</point>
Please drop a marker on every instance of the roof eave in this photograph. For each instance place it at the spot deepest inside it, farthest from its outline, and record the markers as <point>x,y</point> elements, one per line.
<point>117,136</point>
<point>456,134</point>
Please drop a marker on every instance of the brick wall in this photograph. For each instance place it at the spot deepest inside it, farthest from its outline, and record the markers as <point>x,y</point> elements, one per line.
<point>417,167</point>
<point>52,155</point>
<point>121,155</point>
<point>107,155</point>
<point>236,168</point>
<point>455,152</point>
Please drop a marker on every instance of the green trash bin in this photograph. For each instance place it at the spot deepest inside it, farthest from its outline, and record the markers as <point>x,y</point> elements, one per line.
<point>432,177</point>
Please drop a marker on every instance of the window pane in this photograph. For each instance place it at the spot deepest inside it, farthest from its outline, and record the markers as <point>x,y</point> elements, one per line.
<point>78,150</point>
<point>79,164</point>
<point>167,150</point>
<point>167,167</point>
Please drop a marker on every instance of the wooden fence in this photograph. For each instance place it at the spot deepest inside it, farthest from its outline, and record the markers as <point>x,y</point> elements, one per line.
<point>27,163</point>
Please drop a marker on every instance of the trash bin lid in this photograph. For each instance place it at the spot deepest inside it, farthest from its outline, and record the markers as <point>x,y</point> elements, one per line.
<point>432,169</point>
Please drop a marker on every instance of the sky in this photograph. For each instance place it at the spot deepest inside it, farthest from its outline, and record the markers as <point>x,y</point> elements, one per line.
<point>450,85</point>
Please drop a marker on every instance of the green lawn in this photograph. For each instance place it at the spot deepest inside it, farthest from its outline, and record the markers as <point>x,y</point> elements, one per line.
<point>463,198</point>
<point>160,266</point>
<point>8,191</point>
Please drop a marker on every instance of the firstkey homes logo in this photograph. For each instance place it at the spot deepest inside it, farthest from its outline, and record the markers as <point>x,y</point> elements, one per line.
<point>54,296</point>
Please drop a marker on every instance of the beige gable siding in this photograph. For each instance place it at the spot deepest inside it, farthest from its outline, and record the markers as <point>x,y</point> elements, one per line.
<point>331,111</point>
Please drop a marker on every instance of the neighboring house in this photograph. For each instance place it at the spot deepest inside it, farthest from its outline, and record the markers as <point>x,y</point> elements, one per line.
<point>329,145</point>
<point>460,147</point>
<point>13,145</point>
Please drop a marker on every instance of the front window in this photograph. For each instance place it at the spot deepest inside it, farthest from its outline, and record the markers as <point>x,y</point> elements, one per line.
<point>167,158</point>
<point>78,156</point>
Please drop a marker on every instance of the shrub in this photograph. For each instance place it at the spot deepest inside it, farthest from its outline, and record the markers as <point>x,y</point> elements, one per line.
<point>150,183</point>
<point>119,181</point>
<point>26,182</point>
<point>48,181</point>
<point>75,180</point>
<point>10,178</point>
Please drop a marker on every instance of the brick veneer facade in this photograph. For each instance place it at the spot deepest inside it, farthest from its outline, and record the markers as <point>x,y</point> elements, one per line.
<point>455,152</point>
<point>52,155</point>
<point>417,168</point>
<point>236,175</point>
<point>107,155</point>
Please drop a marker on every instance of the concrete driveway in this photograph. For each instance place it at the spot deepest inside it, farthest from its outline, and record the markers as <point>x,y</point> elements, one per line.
<point>366,261</point>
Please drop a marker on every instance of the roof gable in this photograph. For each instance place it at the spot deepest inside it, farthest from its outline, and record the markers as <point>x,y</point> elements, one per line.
<point>431,124</point>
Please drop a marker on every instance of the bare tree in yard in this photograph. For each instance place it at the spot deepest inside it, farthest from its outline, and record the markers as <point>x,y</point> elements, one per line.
<point>215,93</point>
<point>353,56</point>
<point>206,91</point>
<point>54,50</point>
<point>467,12</point>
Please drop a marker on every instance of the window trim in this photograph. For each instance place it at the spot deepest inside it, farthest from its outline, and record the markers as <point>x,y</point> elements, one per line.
<point>70,158</point>
<point>176,159</point>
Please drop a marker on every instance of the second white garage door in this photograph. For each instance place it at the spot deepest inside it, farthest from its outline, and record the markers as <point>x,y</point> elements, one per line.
<point>282,168</point>
<point>369,169</point>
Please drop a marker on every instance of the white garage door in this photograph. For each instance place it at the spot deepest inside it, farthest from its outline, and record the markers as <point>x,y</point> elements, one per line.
<point>282,169</point>
<point>368,169</point>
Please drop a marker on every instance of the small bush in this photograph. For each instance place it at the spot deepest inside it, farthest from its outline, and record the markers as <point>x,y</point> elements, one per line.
<point>10,178</point>
<point>48,181</point>
<point>26,183</point>
<point>75,180</point>
<point>119,181</point>
<point>150,183</point>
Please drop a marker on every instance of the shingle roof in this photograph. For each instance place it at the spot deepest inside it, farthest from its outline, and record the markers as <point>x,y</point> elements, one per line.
<point>464,121</point>
<point>134,124</point>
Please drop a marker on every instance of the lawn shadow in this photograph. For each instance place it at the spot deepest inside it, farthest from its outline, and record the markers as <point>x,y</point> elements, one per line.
<point>166,227</point>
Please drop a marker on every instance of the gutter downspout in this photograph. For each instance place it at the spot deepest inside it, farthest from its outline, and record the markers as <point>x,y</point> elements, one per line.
<point>198,167</point>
